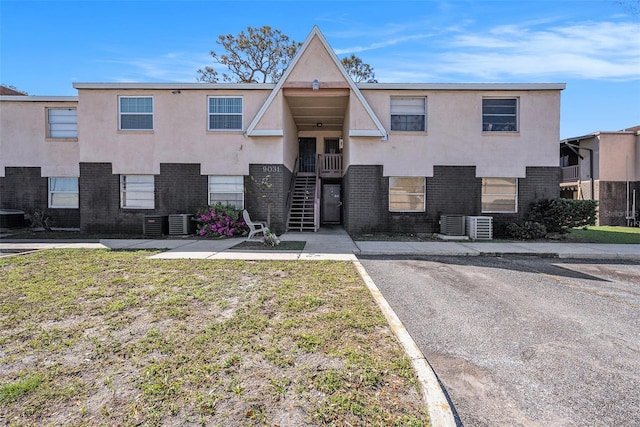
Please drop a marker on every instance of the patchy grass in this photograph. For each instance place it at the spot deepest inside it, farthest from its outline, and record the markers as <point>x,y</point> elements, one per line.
<point>606,234</point>
<point>113,338</point>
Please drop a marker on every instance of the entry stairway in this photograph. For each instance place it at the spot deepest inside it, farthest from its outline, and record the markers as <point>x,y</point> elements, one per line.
<point>302,212</point>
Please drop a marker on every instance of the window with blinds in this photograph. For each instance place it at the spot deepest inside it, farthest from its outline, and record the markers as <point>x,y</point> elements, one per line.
<point>63,193</point>
<point>136,113</point>
<point>409,114</point>
<point>225,113</point>
<point>499,195</point>
<point>137,191</point>
<point>226,189</point>
<point>62,123</point>
<point>407,194</point>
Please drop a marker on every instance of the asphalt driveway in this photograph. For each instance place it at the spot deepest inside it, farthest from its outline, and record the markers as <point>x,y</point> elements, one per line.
<point>524,341</point>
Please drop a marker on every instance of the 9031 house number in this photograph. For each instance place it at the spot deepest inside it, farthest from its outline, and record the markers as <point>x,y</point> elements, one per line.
<point>271,169</point>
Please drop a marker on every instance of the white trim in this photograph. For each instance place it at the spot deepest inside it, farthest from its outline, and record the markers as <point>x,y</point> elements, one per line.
<point>174,86</point>
<point>463,86</point>
<point>268,132</point>
<point>39,98</point>
<point>356,132</point>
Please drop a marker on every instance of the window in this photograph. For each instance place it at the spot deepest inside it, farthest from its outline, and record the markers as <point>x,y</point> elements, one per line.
<point>136,113</point>
<point>63,193</point>
<point>228,190</point>
<point>409,114</point>
<point>407,194</point>
<point>137,192</point>
<point>225,113</point>
<point>499,195</point>
<point>62,123</point>
<point>500,114</point>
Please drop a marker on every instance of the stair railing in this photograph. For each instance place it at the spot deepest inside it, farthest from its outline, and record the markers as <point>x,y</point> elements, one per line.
<point>292,184</point>
<point>316,200</point>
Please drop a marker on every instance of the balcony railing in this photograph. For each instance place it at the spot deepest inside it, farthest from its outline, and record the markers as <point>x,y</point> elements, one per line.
<point>570,173</point>
<point>330,165</point>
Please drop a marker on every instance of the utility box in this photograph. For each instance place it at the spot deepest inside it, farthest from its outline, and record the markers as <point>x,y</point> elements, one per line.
<point>480,227</point>
<point>452,225</point>
<point>181,224</point>
<point>155,225</point>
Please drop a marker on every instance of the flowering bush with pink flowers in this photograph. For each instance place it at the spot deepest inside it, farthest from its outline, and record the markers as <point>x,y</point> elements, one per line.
<point>220,221</point>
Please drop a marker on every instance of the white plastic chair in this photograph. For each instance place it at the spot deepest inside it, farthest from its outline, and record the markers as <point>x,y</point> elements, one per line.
<point>255,227</point>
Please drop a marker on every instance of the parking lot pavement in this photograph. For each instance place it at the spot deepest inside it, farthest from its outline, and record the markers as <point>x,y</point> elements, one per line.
<point>523,340</point>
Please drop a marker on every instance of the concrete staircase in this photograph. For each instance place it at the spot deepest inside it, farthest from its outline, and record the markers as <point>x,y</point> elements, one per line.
<point>301,214</point>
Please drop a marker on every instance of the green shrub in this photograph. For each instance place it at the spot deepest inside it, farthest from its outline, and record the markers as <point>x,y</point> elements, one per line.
<point>529,230</point>
<point>561,215</point>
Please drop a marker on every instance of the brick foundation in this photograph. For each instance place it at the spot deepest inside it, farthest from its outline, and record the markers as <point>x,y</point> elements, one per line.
<point>451,190</point>
<point>25,189</point>
<point>257,196</point>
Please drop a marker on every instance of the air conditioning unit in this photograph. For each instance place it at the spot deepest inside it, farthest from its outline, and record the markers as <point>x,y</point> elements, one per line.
<point>480,227</point>
<point>452,225</point>
<point>181,224</point>
<point>155,225</point>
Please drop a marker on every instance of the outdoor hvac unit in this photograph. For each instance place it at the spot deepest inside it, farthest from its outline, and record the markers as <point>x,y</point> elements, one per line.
<point>452,225</point>
<point>155,225</point>
<point>180,224</point>
<point>480,227</point>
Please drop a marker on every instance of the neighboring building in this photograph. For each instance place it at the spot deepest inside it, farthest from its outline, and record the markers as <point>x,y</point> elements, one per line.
<point>604,166</point>
<point>383,157</point>
<point>7,91</point>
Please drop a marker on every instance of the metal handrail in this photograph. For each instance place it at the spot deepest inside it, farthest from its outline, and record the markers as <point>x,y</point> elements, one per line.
<point>316,200</point>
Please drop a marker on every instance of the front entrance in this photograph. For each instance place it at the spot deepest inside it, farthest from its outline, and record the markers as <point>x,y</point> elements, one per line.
<point>331,207</point>
<point>307,153</point>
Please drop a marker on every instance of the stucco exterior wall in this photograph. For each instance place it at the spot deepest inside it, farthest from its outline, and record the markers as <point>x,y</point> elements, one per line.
<point>24,142</point>
<point>454,135</point>
<point>618,157</point>
<point>180,133</point>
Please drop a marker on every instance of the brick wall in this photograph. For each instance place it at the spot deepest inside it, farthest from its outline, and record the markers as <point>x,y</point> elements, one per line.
<point>257,195</point>
<point>25,189</point>
<point>451,190</point>
<point>180,188</point>
<point>612,204</point>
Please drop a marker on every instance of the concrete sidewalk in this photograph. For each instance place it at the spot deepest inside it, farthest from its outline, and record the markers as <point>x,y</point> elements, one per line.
<point>336,244</point>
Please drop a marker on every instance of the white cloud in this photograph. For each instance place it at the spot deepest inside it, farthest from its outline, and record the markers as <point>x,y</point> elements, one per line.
<point>595,50</point>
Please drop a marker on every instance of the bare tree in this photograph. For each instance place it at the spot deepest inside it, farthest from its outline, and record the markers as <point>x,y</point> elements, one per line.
<point>260,55</point>
<point>358,70</point>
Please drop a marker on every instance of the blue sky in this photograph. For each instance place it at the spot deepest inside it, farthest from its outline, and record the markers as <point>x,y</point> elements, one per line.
<point>591,45</point>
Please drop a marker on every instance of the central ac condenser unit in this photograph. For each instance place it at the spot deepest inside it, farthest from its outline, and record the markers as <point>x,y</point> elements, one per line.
<point>452,225</point>
<point>154,225</point>
<point>181,224</point>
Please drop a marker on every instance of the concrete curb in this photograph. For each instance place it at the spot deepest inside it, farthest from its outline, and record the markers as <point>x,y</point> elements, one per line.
<point>439,409</point>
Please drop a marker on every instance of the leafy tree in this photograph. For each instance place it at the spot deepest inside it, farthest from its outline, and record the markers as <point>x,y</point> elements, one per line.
<point>262,55</point>
<point>358,70</point>
<point>258,56</point>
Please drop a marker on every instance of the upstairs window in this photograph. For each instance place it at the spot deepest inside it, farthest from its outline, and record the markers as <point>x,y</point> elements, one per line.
<point>137,191</point>
<point>407,194</point>
<point>225,113</point>
<point>62,123</point>
<point>226,189</point>
<point>500,115</point>
<point>63,193</point>
<point>409,114</point>
<point>499,195</point>
<point>136,113</point>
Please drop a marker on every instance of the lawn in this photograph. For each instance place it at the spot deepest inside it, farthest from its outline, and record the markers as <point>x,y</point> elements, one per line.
<point>99,337</point>
<point>606,234</point>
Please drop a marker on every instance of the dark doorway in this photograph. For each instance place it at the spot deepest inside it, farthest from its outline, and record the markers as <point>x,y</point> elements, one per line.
<point>331,203</point>
<point>307,154</point>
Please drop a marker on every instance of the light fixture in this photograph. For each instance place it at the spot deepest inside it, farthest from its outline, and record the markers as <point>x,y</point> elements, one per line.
<point>341,143</point>
<point>316,85</point>
<point>319,124</point>
<point>175,91</point>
